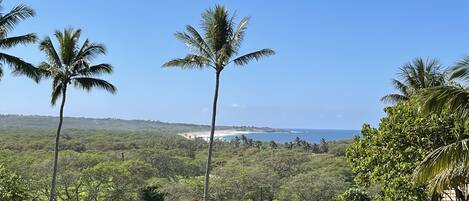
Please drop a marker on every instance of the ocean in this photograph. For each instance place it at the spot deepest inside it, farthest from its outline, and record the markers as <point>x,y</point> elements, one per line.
<point>288,135</point>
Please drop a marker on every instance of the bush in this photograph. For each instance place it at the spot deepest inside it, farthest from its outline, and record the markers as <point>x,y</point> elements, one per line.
<point>11,186</point>
<point>353,194</point>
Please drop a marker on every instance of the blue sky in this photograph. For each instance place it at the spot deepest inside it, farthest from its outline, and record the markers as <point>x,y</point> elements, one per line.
<point>334,59</point>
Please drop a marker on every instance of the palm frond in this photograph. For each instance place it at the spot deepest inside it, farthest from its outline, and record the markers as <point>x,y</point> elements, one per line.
<point>99,69</point>
<point>20,67</point>
<point>88,83</point>
<point>90,51</point>
<point>45,70</point>
<point>461,69</point>
<point>401,87</point>
<point>422,73</point>
<point>190,61</point>
<point>394,98</point>
<point>409,76</point>
<point>238,35</point>
<point>87,53</point>
<point>448,178</point>
<point>443,161</point>
<point>454,98</point>
<point>57,89</point>
<point>68,40</point>
<point>225,53</point>
<point>12,18</point>
<point>245,59</point>
<point>13,41</point>
<point>195,42</point>
<point>48,48</point>
<point>415,76</point>
<point>218,27</point>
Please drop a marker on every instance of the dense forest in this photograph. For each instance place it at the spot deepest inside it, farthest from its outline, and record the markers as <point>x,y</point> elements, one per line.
<point>157,164</point>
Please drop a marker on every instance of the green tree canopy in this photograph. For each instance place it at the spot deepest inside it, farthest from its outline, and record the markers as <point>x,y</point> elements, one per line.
<point>312,186</point>
<point>353,194</point>
<point>388,155</point>
<point>12,187</point>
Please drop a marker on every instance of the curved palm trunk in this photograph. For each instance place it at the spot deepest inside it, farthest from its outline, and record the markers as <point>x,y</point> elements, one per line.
<point>53,192</point>
<point>212,132</point>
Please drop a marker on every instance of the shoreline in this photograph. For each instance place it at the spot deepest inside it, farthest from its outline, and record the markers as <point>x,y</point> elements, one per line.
<point>206,134</point>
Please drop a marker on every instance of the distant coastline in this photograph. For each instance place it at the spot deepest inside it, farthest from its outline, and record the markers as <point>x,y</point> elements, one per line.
<point>277,135</point>
<point>236,130</point>
<point>218,133</point>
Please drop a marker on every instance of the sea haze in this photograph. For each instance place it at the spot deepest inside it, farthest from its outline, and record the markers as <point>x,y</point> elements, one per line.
<point>288,135</point>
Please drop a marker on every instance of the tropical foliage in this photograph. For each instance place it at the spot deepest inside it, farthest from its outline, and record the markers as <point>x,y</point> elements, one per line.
<point>71,64</point>
<point>446,167</point>
<point>387,156</point>
<point>157,163</point>
<point>216,48</point>
<point>416,75</point>
<point>419,151</point>
<point>12,187</point>
<point>8,22</point>
<point>354,194</point>
<point>314,186</point>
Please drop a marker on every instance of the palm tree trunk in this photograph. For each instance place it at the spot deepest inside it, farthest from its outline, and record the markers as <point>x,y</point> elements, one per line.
<point>459,194</point>
<point>53,192</point>
<point>212,133</point>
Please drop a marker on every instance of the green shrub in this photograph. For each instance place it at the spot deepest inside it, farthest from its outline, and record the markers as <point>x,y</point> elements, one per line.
<point>354,194</point>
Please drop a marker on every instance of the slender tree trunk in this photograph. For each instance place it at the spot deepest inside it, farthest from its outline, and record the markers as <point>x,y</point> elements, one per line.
<point>53,191</point>
<point>459,194</point>
<point>212,132</point>
<point>435,197</point>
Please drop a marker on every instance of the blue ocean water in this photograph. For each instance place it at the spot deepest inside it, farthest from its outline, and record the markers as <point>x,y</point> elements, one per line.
<point>288,135</point>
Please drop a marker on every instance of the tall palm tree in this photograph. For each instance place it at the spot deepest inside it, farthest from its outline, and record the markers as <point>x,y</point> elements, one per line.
<point>446,166</point>
<point>71,65</point>
<point>415,75</point>
<point>216,48</point>
<point>8,22</point>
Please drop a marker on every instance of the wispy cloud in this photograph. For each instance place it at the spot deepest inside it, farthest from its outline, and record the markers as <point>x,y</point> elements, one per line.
<point>237,105</point>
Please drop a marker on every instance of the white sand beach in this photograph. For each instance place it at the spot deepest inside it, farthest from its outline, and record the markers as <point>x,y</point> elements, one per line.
<point>206,134</point>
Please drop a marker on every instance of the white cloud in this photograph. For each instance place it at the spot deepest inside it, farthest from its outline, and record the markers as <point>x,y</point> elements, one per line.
<point>236,105</point>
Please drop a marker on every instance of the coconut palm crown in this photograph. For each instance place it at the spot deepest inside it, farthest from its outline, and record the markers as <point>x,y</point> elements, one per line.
<point>219,45</point>
<point>8,22</point>
<point>416,75</point>
<point>216,48</point>
<point>71,64</point>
